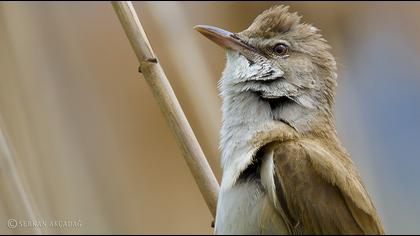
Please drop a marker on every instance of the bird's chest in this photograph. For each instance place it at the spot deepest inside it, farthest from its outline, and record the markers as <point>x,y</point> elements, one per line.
<point>246,209</point>
<point>245,201</point>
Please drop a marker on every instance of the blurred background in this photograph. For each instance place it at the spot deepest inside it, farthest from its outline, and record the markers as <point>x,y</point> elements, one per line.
<point>83,135</point>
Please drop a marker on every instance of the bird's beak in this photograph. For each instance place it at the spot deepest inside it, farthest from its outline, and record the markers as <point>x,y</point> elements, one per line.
<point>223,38</point>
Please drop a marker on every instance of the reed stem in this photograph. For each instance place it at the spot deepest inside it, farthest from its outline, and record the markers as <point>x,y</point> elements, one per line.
<point>168,103</point>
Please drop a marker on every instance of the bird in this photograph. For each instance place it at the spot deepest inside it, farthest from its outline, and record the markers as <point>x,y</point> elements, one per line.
<point>284,169</point>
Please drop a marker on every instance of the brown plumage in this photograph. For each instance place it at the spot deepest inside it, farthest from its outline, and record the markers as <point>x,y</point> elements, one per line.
<point>315,178</point>
<point>279,146</point>
<point>320,190</point>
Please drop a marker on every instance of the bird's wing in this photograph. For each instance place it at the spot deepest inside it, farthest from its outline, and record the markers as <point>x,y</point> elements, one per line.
<point>318,193</point>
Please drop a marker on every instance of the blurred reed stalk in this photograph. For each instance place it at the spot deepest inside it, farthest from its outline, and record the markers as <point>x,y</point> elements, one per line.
<point>168,103</point>
<point>8,160</point>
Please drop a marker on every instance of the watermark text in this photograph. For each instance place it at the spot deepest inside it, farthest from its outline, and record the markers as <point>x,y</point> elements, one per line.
<point>14,223</point>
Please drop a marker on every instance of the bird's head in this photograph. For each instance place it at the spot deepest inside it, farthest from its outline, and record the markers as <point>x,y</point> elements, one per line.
<point>279,64</point>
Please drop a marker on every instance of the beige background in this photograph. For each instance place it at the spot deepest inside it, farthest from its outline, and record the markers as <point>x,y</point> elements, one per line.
<point>90,144</point>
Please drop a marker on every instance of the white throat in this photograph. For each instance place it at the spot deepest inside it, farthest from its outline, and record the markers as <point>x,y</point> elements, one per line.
<point>245,115</point>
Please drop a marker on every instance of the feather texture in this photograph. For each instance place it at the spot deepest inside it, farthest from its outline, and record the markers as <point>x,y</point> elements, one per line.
<point>284,169</point>
<point>320,194</point>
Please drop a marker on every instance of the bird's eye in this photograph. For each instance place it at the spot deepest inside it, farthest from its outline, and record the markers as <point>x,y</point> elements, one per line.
<point>281,49</point>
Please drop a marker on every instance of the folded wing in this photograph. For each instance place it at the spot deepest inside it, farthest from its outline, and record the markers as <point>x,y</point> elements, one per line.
<point>321,193</point>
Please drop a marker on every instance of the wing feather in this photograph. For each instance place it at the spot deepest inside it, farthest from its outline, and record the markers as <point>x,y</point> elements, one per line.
<point>322,193</point>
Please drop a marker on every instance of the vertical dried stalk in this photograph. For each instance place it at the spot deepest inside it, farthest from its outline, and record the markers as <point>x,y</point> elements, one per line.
<point>168,103</point>
<point>16,181</point>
